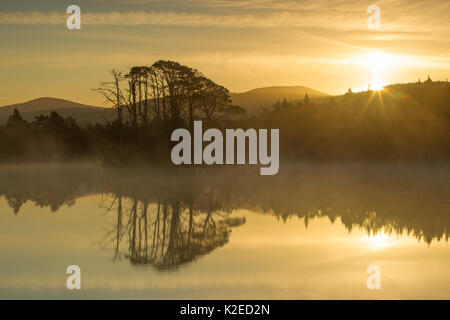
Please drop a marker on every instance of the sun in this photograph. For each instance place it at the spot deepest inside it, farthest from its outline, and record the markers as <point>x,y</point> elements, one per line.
<point>379,240</point>
<point>377,63</point>
<point>376,84</point>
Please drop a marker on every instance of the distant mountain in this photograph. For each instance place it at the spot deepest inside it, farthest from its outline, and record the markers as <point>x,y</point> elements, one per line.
<point>82,113</point>
<point>254,100</point>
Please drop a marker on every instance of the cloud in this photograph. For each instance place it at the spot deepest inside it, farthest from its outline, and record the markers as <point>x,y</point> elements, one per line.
<point>133,18</point>
<point>325,17</point>
<point>33,17</point>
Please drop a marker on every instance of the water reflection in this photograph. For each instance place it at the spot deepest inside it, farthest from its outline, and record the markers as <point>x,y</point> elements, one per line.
<point>172,217</point>
<point>170,232</point>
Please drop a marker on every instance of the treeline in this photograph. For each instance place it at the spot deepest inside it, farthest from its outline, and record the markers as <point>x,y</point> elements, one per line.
<point>54,138</point>
<point>149,101</point>
<point>46,138</point>
<point>403,122</point>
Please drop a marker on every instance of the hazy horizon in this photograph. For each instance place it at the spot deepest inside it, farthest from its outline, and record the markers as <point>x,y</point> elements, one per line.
<point>108,106</point>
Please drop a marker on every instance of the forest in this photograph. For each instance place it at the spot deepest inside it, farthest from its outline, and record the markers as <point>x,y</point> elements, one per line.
<point>401,122</point>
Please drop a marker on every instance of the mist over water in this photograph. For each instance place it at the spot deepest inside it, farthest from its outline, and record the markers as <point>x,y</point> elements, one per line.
<point>225,232</point>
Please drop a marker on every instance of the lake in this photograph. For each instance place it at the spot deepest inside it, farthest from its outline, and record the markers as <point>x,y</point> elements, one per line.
<point>309,232</point>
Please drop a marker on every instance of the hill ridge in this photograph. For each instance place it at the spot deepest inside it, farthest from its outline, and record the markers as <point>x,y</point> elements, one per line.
<point>255,99</point>
<point>82,113</point>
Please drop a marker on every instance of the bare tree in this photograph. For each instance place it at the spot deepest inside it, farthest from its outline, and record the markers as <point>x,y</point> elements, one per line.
<point>113,94</point>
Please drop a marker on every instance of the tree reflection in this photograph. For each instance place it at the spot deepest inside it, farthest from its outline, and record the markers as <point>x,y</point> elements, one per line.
<point>172,217</point>
<point>172,230</point>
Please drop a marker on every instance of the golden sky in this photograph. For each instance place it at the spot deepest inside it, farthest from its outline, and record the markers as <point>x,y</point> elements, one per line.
<point>322,44</point>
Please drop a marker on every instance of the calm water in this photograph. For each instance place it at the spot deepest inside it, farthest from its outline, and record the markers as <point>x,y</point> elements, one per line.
<point>308,233</point>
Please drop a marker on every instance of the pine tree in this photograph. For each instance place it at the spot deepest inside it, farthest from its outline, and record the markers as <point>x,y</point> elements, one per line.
<point>306,99</point>
<point>15,120</point>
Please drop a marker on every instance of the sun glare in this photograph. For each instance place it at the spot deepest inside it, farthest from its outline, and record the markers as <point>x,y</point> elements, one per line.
<point>379,240</point>
<point>376,84</point>
<point>377,64</point>
<point>378,61</point>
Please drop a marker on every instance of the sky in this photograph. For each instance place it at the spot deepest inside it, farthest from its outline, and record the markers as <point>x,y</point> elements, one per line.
<point>241,44</point>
